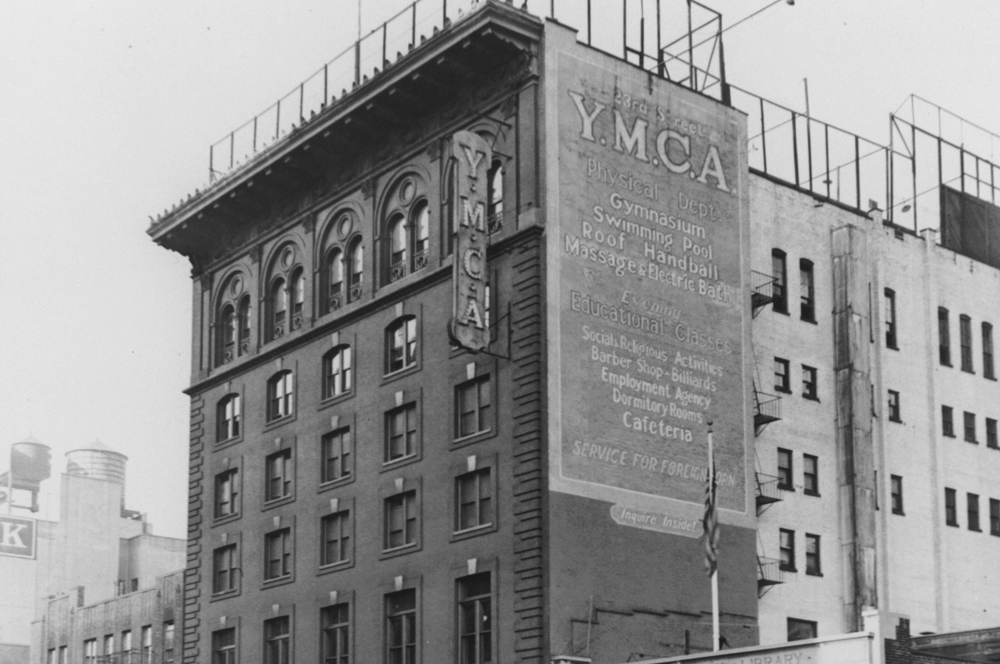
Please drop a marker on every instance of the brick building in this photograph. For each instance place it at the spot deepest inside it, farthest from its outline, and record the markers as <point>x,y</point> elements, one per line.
<point>367,484</point>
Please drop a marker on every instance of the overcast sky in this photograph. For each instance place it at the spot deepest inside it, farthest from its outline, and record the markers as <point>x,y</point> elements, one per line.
<point>107,109</point>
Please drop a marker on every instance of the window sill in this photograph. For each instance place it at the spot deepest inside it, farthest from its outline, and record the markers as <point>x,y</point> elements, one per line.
<point>816,399</point>
<point>281,421</point>
<point>783,312</point>
<point>399,551</point>
<point>810,493</point>
<point>968,371</point>
<point>278,502</point>
<point>892,346</point>
<point>948,435</point>
<point>222,444</point>
<point>952,525</point>
<point>400,462</point>
<point>788,569</point>
<point>811,321</point>
<point>220,520</point>
<point>781,390</point>
<point>218,597</point>
<point>476,531</point>
<point>993,378</point>
<point>330,568</point>
<point>993,446</point>
<point>333,484</point>
<point>896,420</point>
<point>976,530</point>
<point>972,442</point>
<point>899,512</point>
<point>279,581</point>
<point>333,401</point>
<point>819,574</point>
<point>399,373</point>
<point>946,364</point>
<point>788,487</point>
<point>473,438</point>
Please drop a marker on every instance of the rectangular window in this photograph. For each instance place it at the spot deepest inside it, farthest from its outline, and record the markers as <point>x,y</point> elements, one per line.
<point>969,427</point>
<point>473,496</point>
<point>785,470</point>
<point>950,507</point>
<point>278,547</point>
<point>51,656</point>
<point>109,647</point>
<point>988,368</point>
<point>63,654</point>
<point>799,630</point>
<point>947,421</point>
<point>224,646</point>
<point>224,569</point>
<point>896,491</point>
<point>277,641</point>
<point>994,517</point>
<point>972,510</point>
<point>400,520</point>
<point>810,475</point>
<point>807,291</point>
<point>226,494</point>
<point>280,396</point>
<point>401,432</point>
<point>809,383</point>
<point>336,449</point>
<point>127,643</point>
<point>335,530</point>
<point>401,627</point>
<point>890,319</point>
<point>944,337</point>
<point>278,475</point>
<point>90,651</point>
<point>147,644</point>
<point>782,377</point>
<point>228,417</point>
<point>786,548</point>
<point>780,287</point>
<point>991,432</point>
<point>336,634</point>
<point>401,344</point>
<point>472,407</point>
<point>475,619</point>
<point>965,340</point>
<point>168,642</point>
<point>812,555</point>
<point>894,406</point>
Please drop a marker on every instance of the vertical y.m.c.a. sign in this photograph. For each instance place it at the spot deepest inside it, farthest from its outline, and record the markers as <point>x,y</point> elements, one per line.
<point>471,156</point>
<point>17,536</point>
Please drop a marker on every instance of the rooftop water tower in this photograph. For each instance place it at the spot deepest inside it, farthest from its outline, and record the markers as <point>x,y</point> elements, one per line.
<point>99,462</point>
<point>30,465</point>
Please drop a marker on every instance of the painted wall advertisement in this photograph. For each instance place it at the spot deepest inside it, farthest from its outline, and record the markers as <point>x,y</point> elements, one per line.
<point>648,249</point>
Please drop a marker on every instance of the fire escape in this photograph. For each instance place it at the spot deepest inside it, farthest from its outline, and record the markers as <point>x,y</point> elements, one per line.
<point>767,409</point>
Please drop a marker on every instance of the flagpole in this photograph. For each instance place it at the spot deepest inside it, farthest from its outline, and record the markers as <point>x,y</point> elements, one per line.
<point>715,572</point>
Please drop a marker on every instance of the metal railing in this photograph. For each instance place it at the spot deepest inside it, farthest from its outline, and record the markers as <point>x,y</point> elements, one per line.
<point>767,490</point>
<point>769,573</point>
<point>761,290</point>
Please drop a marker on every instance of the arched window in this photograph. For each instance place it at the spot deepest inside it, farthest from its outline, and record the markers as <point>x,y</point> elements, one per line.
<point>232,324</point>
<point>243,324</point>
<point>401,344</point>
<point>357,273</point>
<point>494,199</point>
<point>397,247</point>
<point>335,280</point>
<point>280,396</point>
<point>337,372</point>
<point>278,301</point>
<point>228,417</point>
<point>421,235</point>
<point>298,297</point>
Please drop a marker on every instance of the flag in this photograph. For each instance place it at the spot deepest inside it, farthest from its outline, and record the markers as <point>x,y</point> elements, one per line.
<point>710,522</point>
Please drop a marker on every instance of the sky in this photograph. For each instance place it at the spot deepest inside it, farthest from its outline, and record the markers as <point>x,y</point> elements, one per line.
<point>107,111</point>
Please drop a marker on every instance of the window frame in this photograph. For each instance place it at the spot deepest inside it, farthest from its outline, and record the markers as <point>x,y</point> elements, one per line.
<point>232,432</point>
<point>225,652</point>
<point>232,327</point>
<point>891,338</point>
<point>951,507</point>
<point>895,407</point>
<point>467,596</point>
<point>896,494</point>
<point>786,550</point>
<point>281,404</point>
<point>779,288</point>
<point>285,561</point>
<point>944,337</point>
<point>807,291</point>
<point>344,460</point>
<point>343,516</point>
<point>278,645</point>
<point>409,351</point>
<point>406,501</point>
<point>169,641</point>
<point>410,633</point>
<point>342,629</point>
<point>989,369</point>
<point>972,512</point>
<point>965,343</point>
<point>794,625</point>
<point>947,421</point>
<point>969,427</point>
<point>994,517</point>
<point>810,387</point>
<point>340,385</point>
<point>808,473</point>
<point>285,480</point>
<point>484,479</point>
<point>991,433</point>
<point>225,566</point>
<point>786,483</point>
<point>235,494</point>
<point>814,560</point>
<point>783,378</point>
<point>485,422</point>
<point>412,450</point>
